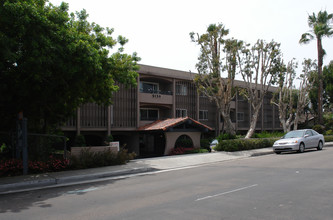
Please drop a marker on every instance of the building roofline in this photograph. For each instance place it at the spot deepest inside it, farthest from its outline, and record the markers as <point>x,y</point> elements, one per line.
<point>183,75</point>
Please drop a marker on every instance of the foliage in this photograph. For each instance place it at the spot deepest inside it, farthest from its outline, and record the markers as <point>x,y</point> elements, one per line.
<point>328,82</point>
<point>51,62</point>
<point>188,150</point>
<point>205,143</point>
<point>320,25</point>
<point>109,138</point>
<point>328,138</point>
<point>89,159</point>
<point>217,58</point>
<point>319,128</point>
<point>244,144</point>
<point>13,167</point>
<point>284,99</point>
<point>259,67</point>
<point>80,141</point>
<point>266,134</point>
<point>329,132</point>
<point>225,136</point>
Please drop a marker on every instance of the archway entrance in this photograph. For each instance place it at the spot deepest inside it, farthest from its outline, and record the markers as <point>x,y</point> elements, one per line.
<point>184,141</point>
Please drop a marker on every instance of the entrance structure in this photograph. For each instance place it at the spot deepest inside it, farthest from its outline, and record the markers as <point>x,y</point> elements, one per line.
<point>172,129</point>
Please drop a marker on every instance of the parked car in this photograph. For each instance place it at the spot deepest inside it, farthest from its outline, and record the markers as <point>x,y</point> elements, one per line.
<point>299,140</point>
<point>213,144</point>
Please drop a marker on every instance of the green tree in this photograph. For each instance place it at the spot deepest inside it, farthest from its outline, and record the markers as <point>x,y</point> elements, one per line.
<point>328,82</point>
<point>259,66</point>
<point>284,98</point>
<point>51,62</point>
<point>320,27</point>
<point>217,58</point>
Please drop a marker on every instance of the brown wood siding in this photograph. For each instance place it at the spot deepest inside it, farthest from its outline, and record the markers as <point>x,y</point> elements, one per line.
<point>93,115</point>
<point>205,104</point>
<point>244,107</point>
<point>188,101</point>
<point>268,112</point>
<point>124,108</point>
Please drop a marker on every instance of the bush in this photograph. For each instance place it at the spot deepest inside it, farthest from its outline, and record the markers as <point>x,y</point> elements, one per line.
<point>88,159</point>
<point>329,132</point>
<point>188,150</point>
<point>244,144</point>
<point>328,138</point>
<point>13,167</point>
<point>80,141</point>
<point>320,129</point>
<point>266,134</point>
<point>205,144</point>
<point>225,136</point>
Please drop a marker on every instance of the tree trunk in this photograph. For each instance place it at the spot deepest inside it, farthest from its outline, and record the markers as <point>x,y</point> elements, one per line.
<point>320,86</point>
<point>228,125</point>
<point>253,123</point>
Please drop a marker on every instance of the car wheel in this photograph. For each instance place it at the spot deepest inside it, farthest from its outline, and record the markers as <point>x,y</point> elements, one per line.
<point>277,152</point>
<point>320,145</point>
<point>301,148</point>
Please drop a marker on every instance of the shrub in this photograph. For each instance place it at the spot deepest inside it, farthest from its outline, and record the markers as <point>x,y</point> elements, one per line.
<point>205,143</point>
<point>328,138</point>
<point>320,129</point>
<point>244,144</point>
<point>89,159</point>
<point>225,136</point>
<point>266,134</point>
<point>80,141</point>
<point>13,167</point>
<point>188,150</point>
<point>109,138</point>
<point>329,132</point>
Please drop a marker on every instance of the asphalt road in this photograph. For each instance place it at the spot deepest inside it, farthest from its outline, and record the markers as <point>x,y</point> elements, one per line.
<point>286,186</point>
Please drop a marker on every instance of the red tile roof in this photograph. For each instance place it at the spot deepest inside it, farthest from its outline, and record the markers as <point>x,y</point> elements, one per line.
<point>171,122</point>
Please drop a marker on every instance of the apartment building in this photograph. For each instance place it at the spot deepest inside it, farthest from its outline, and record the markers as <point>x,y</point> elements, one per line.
<point>165,105</point>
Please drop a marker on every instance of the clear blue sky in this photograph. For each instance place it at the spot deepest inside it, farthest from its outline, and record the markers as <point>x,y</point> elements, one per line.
<point>159,30</point>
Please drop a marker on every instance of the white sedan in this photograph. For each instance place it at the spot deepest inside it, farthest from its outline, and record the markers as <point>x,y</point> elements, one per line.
<point>299,140</point>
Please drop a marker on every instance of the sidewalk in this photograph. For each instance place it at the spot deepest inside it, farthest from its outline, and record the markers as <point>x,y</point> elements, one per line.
<point>58,179</point>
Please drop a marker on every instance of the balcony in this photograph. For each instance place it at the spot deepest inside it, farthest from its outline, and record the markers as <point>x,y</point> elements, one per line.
<point>155,97</point>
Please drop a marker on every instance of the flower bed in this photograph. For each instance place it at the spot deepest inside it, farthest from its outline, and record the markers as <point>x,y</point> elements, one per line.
<point>13,167</point>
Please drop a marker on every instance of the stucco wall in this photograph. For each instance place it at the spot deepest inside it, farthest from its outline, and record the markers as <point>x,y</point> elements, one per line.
<point>171,138</point>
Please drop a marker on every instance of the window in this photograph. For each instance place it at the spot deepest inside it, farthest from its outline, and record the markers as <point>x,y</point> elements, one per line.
<point>203,114</point>
<point>308,132</point>
<point>148,114</point>
<point>149,87</point>
<point>240,116</point>
<point>181,89</point>
<point>181,113</point>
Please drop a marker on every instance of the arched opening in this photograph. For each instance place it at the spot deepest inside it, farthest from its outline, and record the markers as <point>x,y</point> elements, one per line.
<point>184,141</point>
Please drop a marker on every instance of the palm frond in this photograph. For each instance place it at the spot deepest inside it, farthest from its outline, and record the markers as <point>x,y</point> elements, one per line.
<point>306,38</point>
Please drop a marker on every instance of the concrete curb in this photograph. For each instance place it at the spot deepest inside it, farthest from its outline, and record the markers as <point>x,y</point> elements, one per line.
<point>51,182</point>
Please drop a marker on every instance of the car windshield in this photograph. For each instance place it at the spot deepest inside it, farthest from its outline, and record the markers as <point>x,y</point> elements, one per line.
<point>294,134</point>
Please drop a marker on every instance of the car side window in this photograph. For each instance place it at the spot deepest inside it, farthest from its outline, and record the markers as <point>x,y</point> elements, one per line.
<point>308,133</point>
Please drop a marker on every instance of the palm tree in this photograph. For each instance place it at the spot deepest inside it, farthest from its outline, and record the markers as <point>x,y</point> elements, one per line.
<point>320,27</point>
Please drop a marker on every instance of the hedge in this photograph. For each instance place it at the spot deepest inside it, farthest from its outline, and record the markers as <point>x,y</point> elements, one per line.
<point>245,144</point>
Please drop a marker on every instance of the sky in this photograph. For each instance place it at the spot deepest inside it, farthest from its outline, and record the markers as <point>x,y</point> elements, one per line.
<point>159,30</point>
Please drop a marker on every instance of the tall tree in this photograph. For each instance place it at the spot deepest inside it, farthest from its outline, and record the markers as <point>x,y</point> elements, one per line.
<point>328,82</point>
<point>284,98</point>
<point>259,66</point>
<point>320,27</point>
<point>51,62</point>
<point>303,97</point>
<point>217,69</point>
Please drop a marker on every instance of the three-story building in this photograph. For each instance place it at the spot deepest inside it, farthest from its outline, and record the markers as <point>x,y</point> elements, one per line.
<point>162,94</point>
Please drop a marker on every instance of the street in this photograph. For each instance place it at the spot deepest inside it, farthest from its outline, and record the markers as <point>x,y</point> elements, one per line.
<point>286,186</point>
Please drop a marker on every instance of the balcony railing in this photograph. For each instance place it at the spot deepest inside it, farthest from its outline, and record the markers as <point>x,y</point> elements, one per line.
<point>151,91</point>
